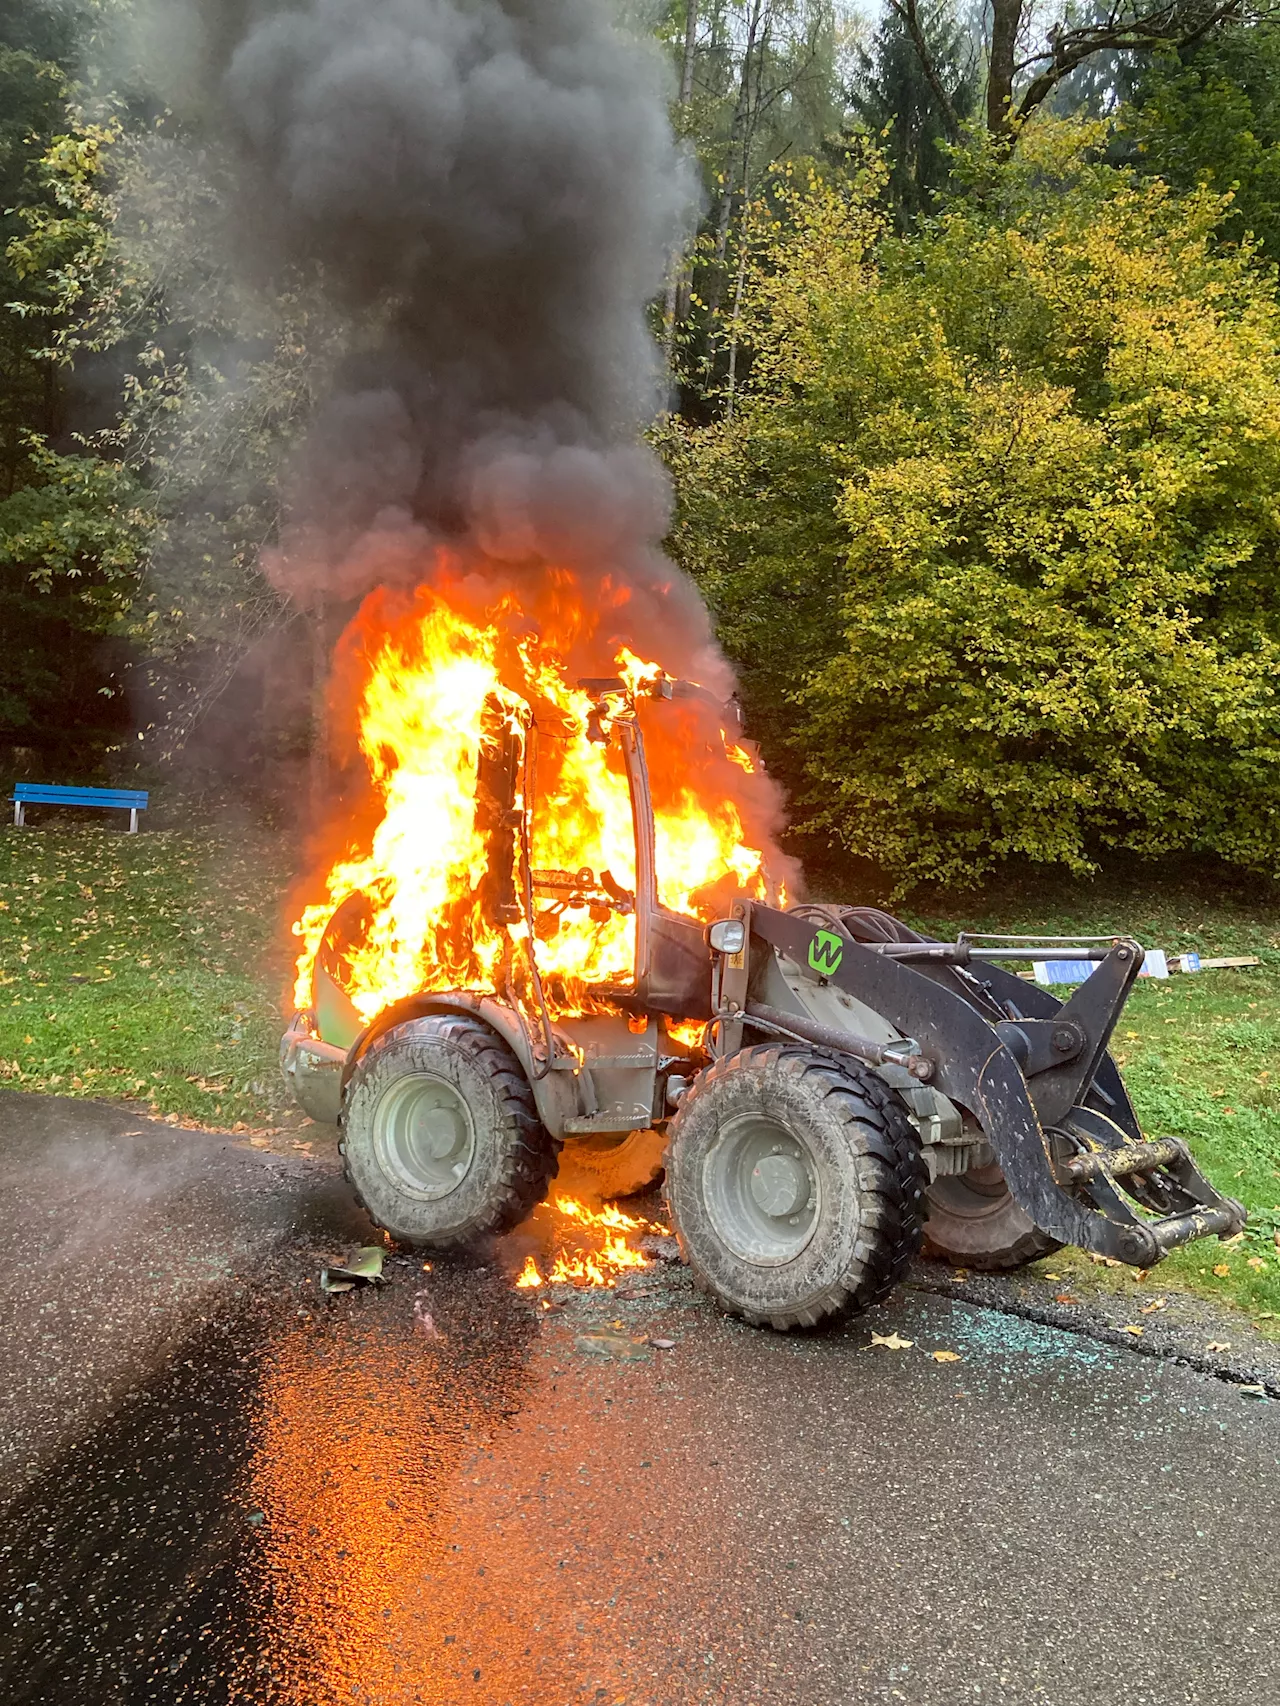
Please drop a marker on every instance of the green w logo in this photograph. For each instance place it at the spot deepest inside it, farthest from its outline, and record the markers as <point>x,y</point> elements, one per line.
<point>825,953</point>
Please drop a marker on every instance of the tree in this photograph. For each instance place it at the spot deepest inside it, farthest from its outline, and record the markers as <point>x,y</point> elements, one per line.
<point>36,44</point>
<point>762,88</point>
<point>217,385</point>
<point>993,536</point>
<point>1026,63</point>
<point>73,524</point>
<point>1211,115</point>
<point>676,299</point>
<point>895,100</point>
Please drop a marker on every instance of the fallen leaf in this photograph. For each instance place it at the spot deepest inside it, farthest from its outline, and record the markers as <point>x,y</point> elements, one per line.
<point>260,1142</point>
<point>1253,1391</point>
<point>1057,1277</point>
<point>891,1341</point>
<point>1218,1345</point>
<point>945,1356</point>
<point>1065,1297</point>
<point>1150,1308</point>
<point>1222,1270</point>
<point>963,1274</point>
<point>1136,1331</point>
<point>1256,1263</point>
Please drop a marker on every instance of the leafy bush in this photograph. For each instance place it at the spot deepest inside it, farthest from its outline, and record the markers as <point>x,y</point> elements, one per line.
<point>993,531</point>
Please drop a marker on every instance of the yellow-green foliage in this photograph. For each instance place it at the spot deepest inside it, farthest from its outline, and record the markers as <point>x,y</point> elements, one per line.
<point>994,529</point>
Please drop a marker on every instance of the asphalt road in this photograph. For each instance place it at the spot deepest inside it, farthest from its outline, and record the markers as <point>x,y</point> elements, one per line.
<point>223,1488</point>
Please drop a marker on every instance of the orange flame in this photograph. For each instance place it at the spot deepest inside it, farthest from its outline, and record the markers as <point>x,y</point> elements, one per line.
<point>609,1216</point>
<point>689,1032</point>
<point>581,1269</point>
<point>444,690</point>
<point>599,1266</point>
<point>638,674</point>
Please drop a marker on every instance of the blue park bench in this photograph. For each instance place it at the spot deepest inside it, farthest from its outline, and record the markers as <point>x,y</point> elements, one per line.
<point>42,794</point>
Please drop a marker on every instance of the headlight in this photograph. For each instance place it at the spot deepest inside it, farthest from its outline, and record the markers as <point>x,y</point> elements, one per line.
<point>728,936</point>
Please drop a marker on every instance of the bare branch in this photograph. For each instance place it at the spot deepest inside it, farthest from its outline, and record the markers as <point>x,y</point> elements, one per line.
<point>1174,24</point>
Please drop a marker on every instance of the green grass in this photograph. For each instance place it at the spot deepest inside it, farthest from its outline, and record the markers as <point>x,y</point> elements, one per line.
<point>146,968</point>
<point>151,969</point>
<point>1200,1054</point>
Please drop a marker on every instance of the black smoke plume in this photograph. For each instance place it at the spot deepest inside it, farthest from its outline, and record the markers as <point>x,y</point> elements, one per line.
<point>491,191</point>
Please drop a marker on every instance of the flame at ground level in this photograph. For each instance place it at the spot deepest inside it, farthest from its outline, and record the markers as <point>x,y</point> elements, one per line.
<point>501,831</point>
<point>587,1264</point>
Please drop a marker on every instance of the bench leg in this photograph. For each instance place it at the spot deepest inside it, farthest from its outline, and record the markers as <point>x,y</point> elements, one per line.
<point>19,816</point>
<point>133,820</point>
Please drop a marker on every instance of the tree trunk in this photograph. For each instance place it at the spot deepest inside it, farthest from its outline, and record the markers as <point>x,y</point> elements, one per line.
<point>735,324</point>
<point>1006,19</point>
<point>690,51</point>
<point>741,110</point>
<point>748,139</point>
<point>679,265</point>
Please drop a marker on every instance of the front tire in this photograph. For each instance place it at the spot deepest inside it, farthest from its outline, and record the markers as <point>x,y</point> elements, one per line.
<point>441,1138</point>
<point>974,1222</point>
<point>795,1184</point>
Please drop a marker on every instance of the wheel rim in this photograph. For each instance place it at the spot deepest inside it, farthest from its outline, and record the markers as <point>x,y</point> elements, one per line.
<point>762,1191</point>
<point>423,1135</point>
<point>975,1195</point>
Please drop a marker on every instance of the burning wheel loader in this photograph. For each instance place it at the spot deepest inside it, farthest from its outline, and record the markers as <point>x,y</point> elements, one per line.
<point>826,1089</point>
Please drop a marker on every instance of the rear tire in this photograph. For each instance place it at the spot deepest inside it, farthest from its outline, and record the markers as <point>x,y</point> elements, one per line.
<point>974,1222</point>
<point>795,1184</point>
<point>617,1170</point>
<point>441,1138</point>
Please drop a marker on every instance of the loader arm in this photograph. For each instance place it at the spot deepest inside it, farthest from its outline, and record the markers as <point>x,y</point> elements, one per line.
<point>1024,1081</point>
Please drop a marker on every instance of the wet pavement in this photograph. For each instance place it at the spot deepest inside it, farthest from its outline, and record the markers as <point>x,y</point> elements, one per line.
<point>225,1487</point>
